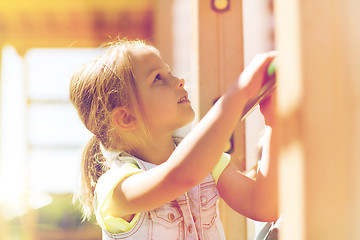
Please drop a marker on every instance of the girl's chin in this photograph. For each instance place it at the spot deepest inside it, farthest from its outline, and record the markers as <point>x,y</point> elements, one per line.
<point>190,120</point>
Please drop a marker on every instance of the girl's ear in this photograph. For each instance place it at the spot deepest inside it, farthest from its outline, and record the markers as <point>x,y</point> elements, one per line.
<point>124,119</point>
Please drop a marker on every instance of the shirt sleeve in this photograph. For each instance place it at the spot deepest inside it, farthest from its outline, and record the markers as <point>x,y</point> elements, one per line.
<point>220,166</point>
<point>103,194</point>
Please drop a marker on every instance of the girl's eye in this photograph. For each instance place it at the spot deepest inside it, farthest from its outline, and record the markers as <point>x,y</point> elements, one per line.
<point>157,78</point>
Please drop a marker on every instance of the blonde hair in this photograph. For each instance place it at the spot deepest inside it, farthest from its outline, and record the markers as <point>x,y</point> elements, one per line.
<point>96,90</point>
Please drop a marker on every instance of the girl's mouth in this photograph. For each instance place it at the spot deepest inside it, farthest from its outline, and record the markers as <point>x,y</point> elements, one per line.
<point>183,99</point>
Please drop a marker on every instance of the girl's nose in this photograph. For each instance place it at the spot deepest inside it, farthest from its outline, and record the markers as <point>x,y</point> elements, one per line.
<point>180,82</point>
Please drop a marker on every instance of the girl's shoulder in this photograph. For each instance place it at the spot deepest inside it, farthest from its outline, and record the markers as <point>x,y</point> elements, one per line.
<point>120,168</point>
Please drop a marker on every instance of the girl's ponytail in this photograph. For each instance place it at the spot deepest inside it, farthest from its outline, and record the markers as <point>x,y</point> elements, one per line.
<point>105,83</point>
<point>92,167</point>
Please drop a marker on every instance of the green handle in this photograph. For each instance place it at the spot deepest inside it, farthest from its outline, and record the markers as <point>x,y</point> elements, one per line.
<point>267,88</point>
<point>272,67</point>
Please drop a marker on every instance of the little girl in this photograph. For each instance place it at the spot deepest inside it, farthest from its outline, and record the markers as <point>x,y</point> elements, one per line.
<point>137,178</point>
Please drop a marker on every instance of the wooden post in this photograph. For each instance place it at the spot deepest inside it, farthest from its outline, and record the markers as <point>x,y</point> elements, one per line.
<point>163,36</point>
<point>218,54</point>
<point>318,106</point>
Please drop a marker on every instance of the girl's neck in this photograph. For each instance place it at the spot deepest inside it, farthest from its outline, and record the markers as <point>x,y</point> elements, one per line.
<point>158,152</point>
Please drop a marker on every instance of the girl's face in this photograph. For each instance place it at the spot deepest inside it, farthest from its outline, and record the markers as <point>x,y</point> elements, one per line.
<point>165,101</point>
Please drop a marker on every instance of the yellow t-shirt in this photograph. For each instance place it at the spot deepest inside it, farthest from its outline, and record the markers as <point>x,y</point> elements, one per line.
<point>108,182</point>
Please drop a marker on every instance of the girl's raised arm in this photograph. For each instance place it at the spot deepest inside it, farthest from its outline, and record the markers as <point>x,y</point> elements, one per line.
<point>197,154</point>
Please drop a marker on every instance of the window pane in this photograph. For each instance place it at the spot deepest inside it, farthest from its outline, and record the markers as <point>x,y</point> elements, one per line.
<point>50,70</point>
<point>54,171</point>
<point>55,125</point>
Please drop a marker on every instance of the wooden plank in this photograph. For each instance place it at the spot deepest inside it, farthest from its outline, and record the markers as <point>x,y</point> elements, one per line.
<point>219,54</point>
<point>163,22</point>
<point>318,89</point>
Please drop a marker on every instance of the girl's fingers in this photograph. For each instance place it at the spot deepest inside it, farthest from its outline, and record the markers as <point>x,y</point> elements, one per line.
<point>251,79</point>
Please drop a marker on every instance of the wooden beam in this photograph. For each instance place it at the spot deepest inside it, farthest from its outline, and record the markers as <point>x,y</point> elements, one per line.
<point>219,55</point>
<point>163,31</point>
<point>318,97</point>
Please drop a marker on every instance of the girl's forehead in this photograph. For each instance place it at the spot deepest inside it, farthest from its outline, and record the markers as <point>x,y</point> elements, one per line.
<point>144,60</point>
<point>143,52</point>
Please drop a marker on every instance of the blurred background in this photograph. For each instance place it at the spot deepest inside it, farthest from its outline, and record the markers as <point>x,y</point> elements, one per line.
<point>41,138</point>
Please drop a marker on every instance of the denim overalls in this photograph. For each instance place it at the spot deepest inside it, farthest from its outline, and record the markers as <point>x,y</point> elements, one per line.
<point>193,215</point>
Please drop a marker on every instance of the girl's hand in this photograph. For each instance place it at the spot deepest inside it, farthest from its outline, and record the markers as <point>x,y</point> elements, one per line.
<point>251,79</point>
